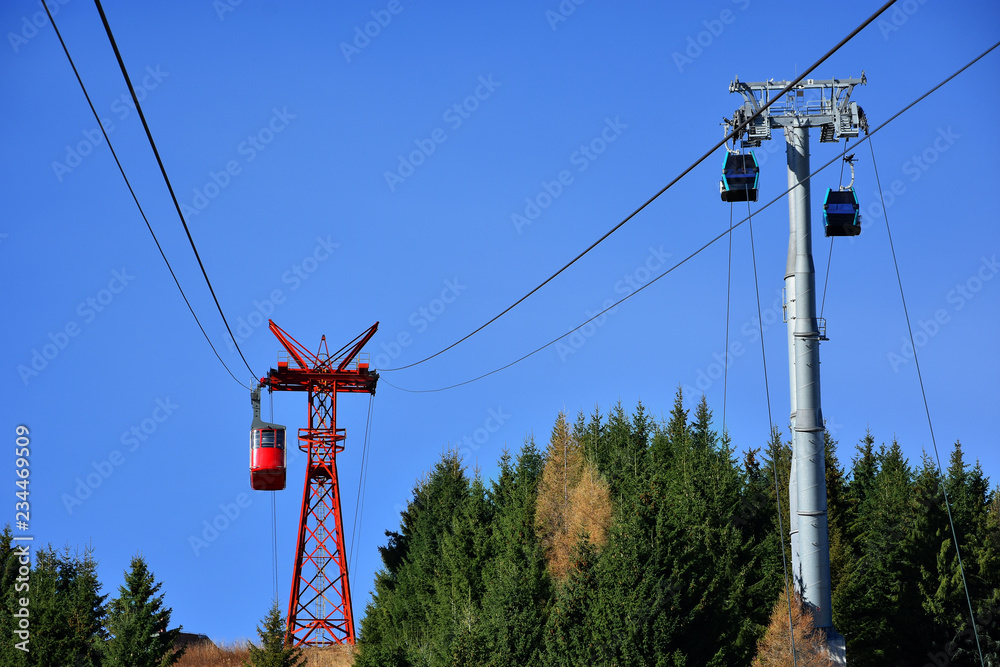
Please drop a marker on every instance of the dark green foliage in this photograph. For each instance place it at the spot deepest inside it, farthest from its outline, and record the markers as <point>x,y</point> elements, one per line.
<point>516,585</point>
<point>138,623</point>
<point>275,650</point>
<point>693,559</point>
<point>66,609</point>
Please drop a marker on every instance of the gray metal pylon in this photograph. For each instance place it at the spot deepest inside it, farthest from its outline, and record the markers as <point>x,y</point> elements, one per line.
<point>808,446</point>
<point>827,105</point>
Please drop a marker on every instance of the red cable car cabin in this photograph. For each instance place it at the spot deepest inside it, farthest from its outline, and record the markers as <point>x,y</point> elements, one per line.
<point>267,451</point>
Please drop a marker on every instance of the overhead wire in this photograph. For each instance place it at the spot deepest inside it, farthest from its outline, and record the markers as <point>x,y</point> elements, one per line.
<point>712,241</point>
<point>166,179</point>
<point>829,256</point>
<point>274,516</point>
<point>927,410</point>
<point>770,422</point>
<point>729,289</point>
<point>359,504</point>
<point>128,184</point>
<point>737,131</point>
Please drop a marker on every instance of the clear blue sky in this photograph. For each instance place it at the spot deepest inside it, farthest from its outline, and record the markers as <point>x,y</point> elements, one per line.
<point>308,129</point>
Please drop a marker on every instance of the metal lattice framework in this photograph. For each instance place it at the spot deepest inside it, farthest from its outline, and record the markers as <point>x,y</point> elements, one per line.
<point>319,607</point>
<point>816,103</point>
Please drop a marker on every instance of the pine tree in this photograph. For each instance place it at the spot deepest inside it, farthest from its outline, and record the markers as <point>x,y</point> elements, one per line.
<point>138,623</point>
<point>275,649</point>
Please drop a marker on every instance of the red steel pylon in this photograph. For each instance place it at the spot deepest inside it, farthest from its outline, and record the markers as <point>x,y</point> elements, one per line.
<point>319,607</point>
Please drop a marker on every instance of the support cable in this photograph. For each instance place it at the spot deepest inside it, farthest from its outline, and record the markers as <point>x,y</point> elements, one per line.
<point>737,130</point>
<point>166,179</point>
<point>274,517</point>
<point>927,411</point>
<point>826,279</point>
<point>362,483</point>
<point>707,244</point>
<point>829,257</point>
<point>134,197</point>
<point>774,463</point>
<point>729,289</point>
<point>274,545</point>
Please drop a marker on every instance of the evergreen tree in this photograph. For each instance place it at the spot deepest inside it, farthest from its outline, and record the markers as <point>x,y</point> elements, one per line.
<point>138,623</point>
<point>568,637</point>
<point>424,595</point>
<point>517,588</point>
<point>66,611</point>
<point>948,630</point>
<point>9,565</point>
<point>875,607</point>
<point>275,649</point>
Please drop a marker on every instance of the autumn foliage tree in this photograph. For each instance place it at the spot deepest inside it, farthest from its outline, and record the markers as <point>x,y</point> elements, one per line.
<point>573,501</point>
<point>775,649</point>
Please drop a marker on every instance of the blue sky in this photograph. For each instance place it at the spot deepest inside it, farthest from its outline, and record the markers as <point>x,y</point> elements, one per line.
<point>278,125</point>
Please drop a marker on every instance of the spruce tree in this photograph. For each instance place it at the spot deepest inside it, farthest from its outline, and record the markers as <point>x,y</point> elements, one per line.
<point>66,610</point>
<point>516,585</point>
<point>9,565</point>
<point>275,649</point>
<point>422,595</point>
<point>138,623</point>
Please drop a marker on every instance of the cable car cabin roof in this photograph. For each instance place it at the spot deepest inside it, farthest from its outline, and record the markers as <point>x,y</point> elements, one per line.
<point>841,213</point>
<point>740,173</point>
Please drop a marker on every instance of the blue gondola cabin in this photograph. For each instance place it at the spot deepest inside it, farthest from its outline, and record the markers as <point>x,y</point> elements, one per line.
<point>841,213</point>
<point>739,177</point>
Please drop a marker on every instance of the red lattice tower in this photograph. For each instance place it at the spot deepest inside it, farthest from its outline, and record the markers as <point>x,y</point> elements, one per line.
<point>319,607</point>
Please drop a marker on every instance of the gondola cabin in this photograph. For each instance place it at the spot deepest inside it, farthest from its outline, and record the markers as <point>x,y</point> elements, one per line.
<point>267,451</point>
<point>267,459</point>
<point>740,173</point>
<point>841,213</point>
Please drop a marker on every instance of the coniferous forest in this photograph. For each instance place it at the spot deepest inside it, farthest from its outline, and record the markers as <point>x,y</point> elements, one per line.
<point>622,541</point>
<point>632,542</point>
